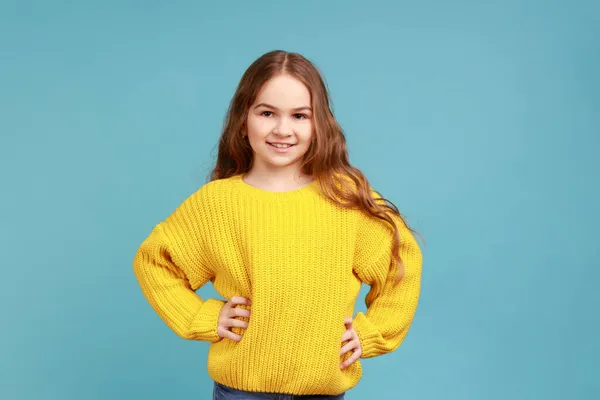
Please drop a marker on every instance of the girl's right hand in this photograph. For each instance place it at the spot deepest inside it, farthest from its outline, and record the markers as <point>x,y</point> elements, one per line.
<point>227,318</point>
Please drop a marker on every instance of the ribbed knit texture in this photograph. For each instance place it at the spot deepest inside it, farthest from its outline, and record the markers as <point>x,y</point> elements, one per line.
<point>301,260</point>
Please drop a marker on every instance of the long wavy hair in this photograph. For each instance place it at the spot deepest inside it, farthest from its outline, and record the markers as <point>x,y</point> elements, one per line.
<point>326,158</point>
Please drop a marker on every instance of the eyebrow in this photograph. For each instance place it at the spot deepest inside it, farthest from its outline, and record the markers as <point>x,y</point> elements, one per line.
<point>275,108</point>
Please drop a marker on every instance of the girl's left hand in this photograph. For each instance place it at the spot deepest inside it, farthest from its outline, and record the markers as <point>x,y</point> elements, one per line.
<point>353,344</point>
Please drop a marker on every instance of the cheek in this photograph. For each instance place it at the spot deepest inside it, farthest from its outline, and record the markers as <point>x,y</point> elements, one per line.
<point>258,125</point>
<point>306,130</point>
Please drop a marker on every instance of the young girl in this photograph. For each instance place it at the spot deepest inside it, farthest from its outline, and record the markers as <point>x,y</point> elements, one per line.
<point>286,230</point>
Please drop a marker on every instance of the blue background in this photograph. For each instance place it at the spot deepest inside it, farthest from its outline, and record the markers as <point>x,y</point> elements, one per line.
<point>479,120</point>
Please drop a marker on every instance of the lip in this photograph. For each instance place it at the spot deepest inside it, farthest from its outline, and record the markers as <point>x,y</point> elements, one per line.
<point>281,143</point>
<point>280,149</point>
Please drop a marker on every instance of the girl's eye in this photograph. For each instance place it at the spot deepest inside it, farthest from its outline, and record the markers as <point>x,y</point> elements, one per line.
<point>264,113</point>
<point>300,116</point>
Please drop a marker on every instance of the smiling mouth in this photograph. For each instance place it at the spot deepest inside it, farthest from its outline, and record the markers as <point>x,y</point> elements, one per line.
<point>281,146</point>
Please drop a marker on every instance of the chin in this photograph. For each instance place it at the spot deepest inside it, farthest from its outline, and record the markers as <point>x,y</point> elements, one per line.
<point>279,164</point>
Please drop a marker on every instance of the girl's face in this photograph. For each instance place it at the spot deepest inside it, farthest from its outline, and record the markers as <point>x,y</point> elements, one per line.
<point>281,113</point>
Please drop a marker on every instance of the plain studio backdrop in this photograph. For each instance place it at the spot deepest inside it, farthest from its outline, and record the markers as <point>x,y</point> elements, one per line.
<point>479,120</point>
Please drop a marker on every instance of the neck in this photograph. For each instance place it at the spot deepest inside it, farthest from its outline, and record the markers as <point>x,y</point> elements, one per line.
<point>277,180</point>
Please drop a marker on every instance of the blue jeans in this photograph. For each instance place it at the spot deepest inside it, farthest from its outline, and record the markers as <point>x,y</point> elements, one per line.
<point>222,392</point>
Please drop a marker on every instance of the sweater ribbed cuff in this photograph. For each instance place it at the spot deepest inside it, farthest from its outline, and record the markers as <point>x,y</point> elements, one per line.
<point>368,334</point>
<point>204,326</point>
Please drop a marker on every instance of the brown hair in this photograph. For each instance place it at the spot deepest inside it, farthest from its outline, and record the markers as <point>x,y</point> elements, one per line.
<point>326,158</point>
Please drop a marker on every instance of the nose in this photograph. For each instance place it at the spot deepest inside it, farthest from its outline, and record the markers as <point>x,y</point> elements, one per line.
<point>283,127</point>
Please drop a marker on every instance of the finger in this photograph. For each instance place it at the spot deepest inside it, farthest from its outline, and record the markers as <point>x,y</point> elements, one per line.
<point>348,325</point>
<point>224,333</point>
<point>233,336</point>
<point>240,300</point>
<point>347,336</point>
<point>237,300</point>
<point>348,321</point>
<point>236,322</point>
<point>221,331</point>
<point>350,360</point>
<point>239,312</point>
<point>347,347</point>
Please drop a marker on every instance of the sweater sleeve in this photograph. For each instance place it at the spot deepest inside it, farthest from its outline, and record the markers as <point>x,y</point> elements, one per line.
<point>390,306</point>
<point>169,270</point>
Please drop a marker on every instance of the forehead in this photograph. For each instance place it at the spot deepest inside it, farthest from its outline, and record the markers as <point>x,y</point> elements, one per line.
<point>284,91</point>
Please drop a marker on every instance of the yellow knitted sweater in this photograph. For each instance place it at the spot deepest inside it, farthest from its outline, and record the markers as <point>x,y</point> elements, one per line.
<point>301,260</point>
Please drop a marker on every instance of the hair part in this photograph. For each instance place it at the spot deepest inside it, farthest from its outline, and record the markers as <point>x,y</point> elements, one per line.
<point>326,158</point>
